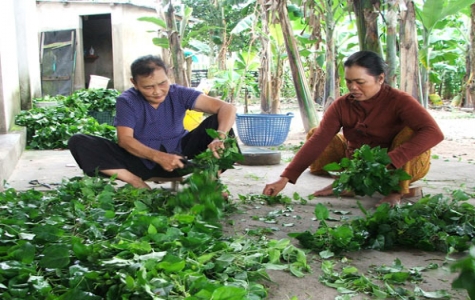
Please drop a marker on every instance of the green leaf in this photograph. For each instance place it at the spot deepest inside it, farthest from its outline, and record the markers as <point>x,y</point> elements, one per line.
<point>24,252</point>
<point>155,21</point>
<point>332,167</point>
<point>55,257</point>
<point>440,294</point>
<point>229,293</point>
<point>40,284</point>
<point>326,254</point>
<point>321,212</point>
<point>152,229</point>
<point>171,264</point>
<point>243,24</point>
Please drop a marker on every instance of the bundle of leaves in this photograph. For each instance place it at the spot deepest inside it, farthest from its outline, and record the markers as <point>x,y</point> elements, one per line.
<point>203,194</point>
<point>366,173</point>
<point>51,127</point>
<point>434,223</point>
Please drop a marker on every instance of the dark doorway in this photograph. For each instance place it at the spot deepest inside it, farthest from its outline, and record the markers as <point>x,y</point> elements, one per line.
<point>97,40</point>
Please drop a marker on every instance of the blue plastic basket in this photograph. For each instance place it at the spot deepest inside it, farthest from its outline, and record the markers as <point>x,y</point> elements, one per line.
<point>263,129</point>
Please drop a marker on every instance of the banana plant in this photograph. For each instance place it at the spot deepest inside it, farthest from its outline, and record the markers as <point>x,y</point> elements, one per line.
<point>433,12</point>
<point>304,96</point>
<point>333,11</point>
<point>367,13</point>
<point>171,36</point>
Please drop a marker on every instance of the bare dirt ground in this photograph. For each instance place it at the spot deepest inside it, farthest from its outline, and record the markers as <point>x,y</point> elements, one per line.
<point>458,127</point>
<point>453,161</point>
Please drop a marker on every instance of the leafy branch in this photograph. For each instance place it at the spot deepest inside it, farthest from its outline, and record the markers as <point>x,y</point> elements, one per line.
<point>366,173</point>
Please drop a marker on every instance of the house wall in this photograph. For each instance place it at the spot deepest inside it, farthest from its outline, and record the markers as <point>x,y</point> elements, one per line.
<point>130,38</point>
<point>9,83</point>
<point>28,52</point>
<point>133,38</point>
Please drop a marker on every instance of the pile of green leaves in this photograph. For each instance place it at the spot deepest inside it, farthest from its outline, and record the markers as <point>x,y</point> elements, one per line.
<point>92,240</point>
<point>93,99</point>
<point>434,223</point>
<point>366,173</point>
<point>51,127</point>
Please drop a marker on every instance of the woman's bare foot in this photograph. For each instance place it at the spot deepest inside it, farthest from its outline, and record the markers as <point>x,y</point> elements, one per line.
<point>392,199</point>
<point>328,191</point>
<point>414,192</point>
<point>395,198</point>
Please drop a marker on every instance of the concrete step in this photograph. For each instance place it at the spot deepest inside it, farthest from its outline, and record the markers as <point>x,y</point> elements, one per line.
<point>12,145</point>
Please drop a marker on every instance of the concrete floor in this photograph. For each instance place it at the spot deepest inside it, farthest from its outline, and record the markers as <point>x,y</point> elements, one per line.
<point>46,168</point>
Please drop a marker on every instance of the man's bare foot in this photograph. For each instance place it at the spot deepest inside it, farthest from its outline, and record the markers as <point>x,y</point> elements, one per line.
<point>392,199</point>
<point>328,191</point>
<point>140,185</point>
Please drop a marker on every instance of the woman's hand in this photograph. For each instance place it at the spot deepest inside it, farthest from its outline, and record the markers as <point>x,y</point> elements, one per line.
<point>169,162</point>
<point>216,146</point>
<point>272,189</point>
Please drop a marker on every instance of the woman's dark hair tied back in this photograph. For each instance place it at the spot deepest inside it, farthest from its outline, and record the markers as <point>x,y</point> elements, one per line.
<point>369,60</point>
<point>146,65</point>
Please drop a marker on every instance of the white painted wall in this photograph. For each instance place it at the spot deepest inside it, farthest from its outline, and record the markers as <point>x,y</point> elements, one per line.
<point>28,52</point>
<point>131,39</point>
<point>129,36</point>
<point>9,82</point>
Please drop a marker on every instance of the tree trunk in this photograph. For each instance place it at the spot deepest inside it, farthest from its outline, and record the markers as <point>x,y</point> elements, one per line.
<point>330,84</point>
<point>276,81</point>
<point>276,84</point>
<point>178,56</point>
<point>425,68</point>
<point>304,96</point>
<point>367,12</point>
<point>410,78</point>
<point>165,53</point>
<point>266,59</point>
<point>316,80</point>
<point>223,50</point>
<point>319,88</point>
<point>391,42</point>
<point>470,99</point>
